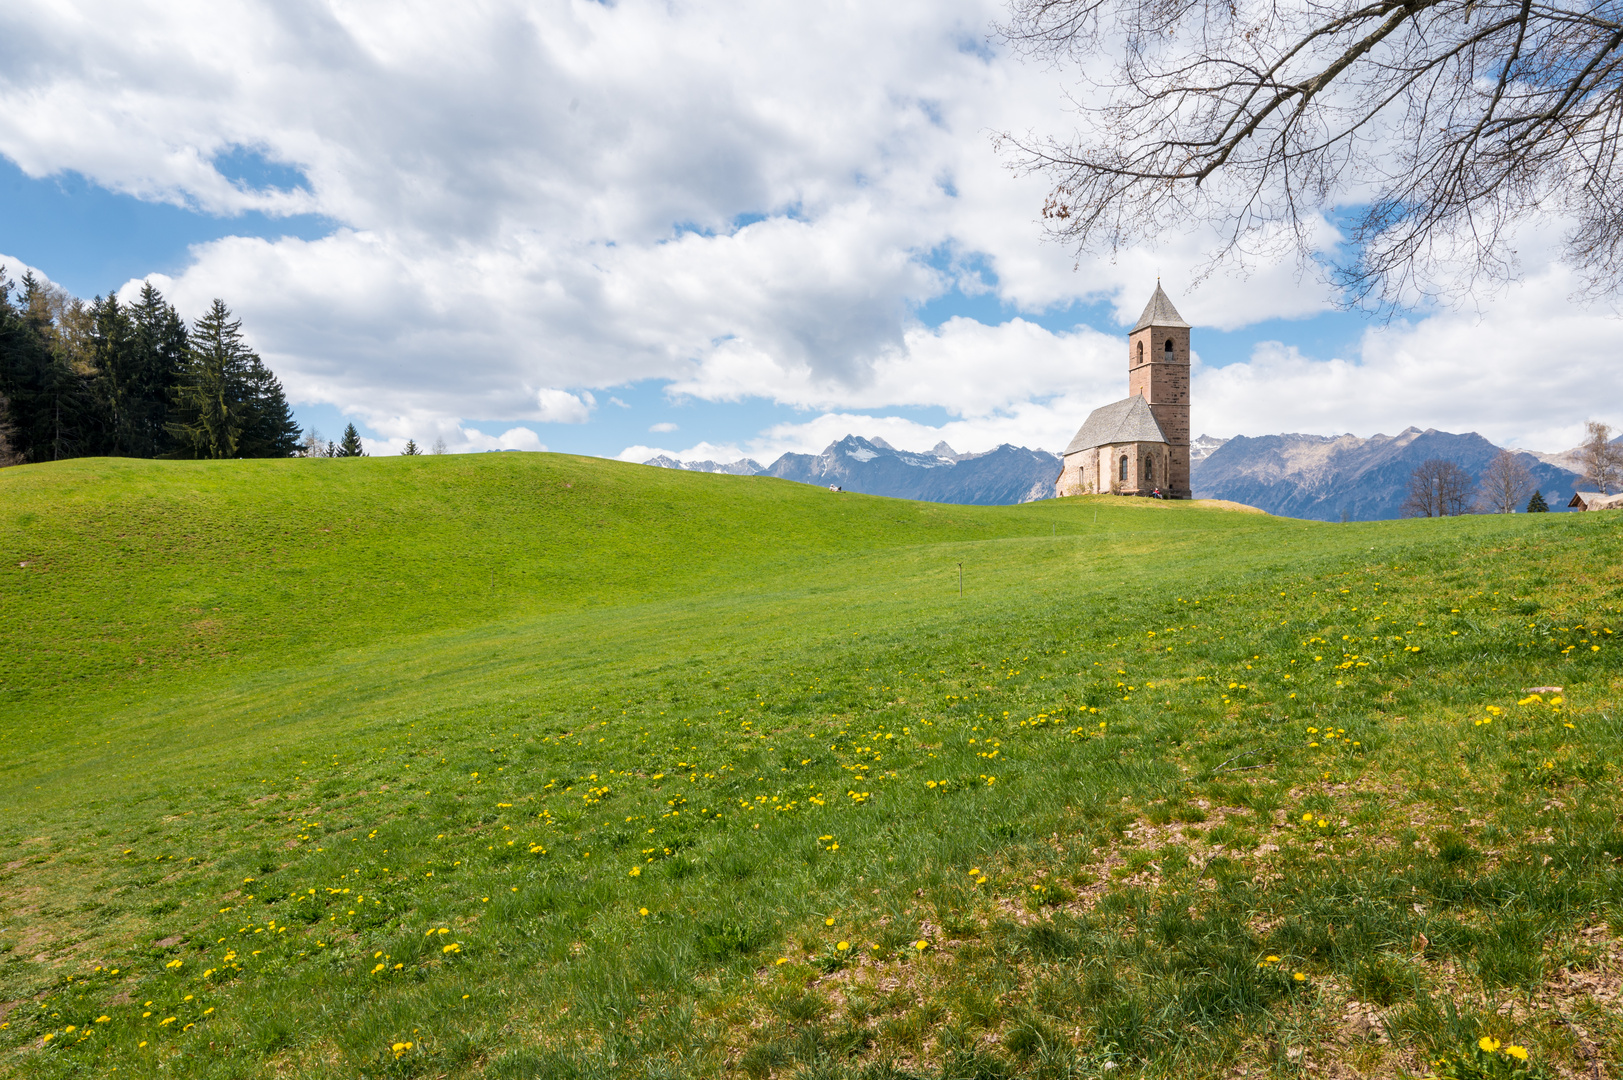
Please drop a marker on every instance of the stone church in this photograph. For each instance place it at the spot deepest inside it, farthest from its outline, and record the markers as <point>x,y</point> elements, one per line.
<point>1140,444</point>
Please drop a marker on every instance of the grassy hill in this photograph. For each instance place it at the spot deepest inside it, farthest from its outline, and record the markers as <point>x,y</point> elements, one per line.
<point>529,765</point>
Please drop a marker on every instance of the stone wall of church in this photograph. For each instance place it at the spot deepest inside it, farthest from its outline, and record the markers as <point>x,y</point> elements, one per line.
<point>1162,378</point>
<point>1098,470</point>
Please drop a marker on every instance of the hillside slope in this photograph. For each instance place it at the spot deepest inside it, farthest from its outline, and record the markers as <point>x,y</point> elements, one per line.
<point>536,766</point>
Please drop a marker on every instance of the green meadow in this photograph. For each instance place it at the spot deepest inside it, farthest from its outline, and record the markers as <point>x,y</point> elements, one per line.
<point>526,765</point>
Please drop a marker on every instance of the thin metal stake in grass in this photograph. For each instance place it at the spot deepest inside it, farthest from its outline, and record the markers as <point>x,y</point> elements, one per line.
<point>960,581</point>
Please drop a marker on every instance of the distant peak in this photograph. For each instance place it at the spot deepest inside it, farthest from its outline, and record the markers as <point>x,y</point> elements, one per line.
<point>881,443</point>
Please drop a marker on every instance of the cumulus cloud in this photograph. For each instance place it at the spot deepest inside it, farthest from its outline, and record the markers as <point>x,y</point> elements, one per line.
<point>15,268</point>
<point>535,201</point>
<point>726,453</point>
<point>539,196</point>
<point>1523,372</point>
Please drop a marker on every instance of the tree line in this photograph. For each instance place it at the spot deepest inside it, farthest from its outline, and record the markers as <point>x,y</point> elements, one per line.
<point>106,378</point>
<point>1442,488</point>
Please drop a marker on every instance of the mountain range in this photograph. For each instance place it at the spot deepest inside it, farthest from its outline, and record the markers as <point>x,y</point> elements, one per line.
<point>1009,474</point>
<point>1326,478</point>
<point>1346,478</point>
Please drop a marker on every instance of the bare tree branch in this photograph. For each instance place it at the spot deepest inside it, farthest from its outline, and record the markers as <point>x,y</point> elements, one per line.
<point>1439,488</point>
<point>1506,484</point>
<point>1440,125</point>
<point>1601,458</point>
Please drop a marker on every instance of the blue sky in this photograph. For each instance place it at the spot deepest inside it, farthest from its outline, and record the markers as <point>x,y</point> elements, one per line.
<point>93,241</point>
<point>753,226</point>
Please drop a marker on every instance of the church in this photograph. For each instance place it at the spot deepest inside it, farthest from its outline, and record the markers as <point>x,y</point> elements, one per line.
<point>1140,444</point>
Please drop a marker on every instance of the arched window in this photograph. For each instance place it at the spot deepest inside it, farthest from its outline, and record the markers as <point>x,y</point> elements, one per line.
<point>1124,468</point>
<point>1141,352</point>
<point>1169,348</point>
<point>1149,470</point>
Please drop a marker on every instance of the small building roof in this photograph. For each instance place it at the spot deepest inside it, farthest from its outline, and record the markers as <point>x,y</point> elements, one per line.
<point>1126,421</point>
<point>1594,500</point>
<point>1158,312</point>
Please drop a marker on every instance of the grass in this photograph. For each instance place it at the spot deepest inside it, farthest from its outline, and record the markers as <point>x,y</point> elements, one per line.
<point>528,765</point>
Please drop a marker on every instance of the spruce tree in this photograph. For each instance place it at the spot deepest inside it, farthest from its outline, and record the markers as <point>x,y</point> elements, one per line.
<point>50,403</point>
<point>412,449</point>
<point>1537,505</point>
<point>160,358</point>
<point>269,429</point>
<point>208,411</point>
<point>8,433</point>
<point>118,379</point>
<point>227,402</point>
<point>351,446</point>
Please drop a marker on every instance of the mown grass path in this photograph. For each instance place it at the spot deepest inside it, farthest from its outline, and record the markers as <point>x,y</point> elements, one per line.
<point>528,765</point>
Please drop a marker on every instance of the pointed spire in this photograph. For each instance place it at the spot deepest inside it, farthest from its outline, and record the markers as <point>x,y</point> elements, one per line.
<point>1158,312</point>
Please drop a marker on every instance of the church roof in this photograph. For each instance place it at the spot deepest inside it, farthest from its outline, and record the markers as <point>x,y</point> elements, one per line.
<point>1126,421</point>
<point>1158,312</point>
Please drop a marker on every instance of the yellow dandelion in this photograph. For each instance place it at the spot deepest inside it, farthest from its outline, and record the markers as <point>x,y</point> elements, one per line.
<point>1517,1052</point>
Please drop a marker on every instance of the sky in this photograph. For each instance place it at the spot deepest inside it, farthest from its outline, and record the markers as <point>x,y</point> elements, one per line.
<point>709,230</point>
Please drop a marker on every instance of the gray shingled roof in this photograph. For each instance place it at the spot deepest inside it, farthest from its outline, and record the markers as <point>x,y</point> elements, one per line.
<point>1158,312</point>
<point>1125,421</point>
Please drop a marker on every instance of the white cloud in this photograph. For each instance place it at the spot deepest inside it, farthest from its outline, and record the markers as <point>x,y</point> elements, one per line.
<point>15,268</point>
<point>540,196</point>
<point>726,453</point>
<point>1528,371</point>
<point>963,366</point>
<point>660,429</point>
<point>562,407</point>
<point>536,200</point>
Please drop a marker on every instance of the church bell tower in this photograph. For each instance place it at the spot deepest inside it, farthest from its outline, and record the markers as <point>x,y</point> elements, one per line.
<point>1158,370</point>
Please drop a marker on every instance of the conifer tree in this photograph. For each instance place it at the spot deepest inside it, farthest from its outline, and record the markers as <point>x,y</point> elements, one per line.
<point>8,433</point>
<point>412,449</point>
<point>1537,505</point>
<point>208,408</point>
<point>160,348</point>
<point>351,446</point>
<point>117,377</point>
<point>269,429</point>
<point>227,402</point>
<point>50,404</point>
